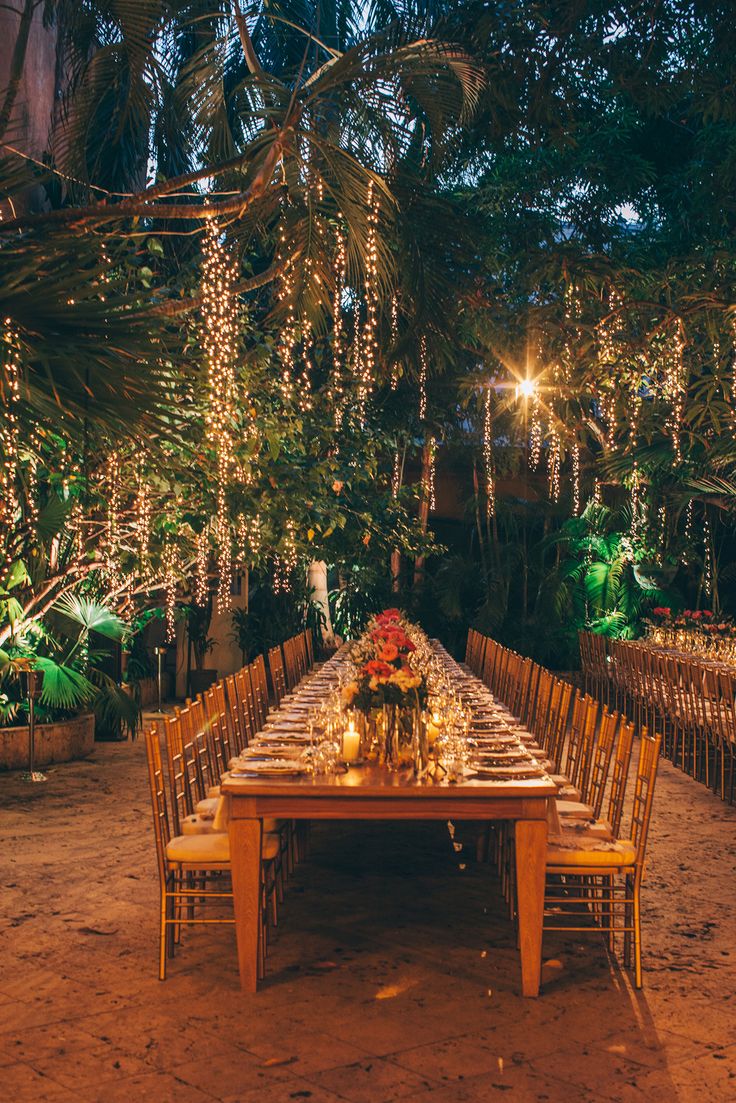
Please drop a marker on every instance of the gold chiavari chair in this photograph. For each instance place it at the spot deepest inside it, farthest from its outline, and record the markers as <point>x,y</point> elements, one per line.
<point>309,647</point>
<point>557,719</point>
<point>234,726</point>
<point>470,648</point>
<point>590,805</point>
<point>181,806</point>
<point>578,764</point>
<point>603,877</point>
<point>725,728</point>
<point>489,662</point>
<point>538,720</point>
<point>259,683</point>
<point>190,865</point>
<point>278,677</point>
<point>245,705</point>
<point>291,668</point>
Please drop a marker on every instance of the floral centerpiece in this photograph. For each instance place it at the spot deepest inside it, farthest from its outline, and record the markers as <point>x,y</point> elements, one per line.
<point>386,683</point>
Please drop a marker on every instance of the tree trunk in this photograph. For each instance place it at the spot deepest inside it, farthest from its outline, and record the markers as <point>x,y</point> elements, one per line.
<point>317,582</point>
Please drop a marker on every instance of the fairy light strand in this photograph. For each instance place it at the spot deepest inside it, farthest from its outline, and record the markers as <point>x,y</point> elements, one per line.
<point>369,344</point>
<point>432,474</point>
<point>336,392</point>
<point>488,465</point>
<point>707,558</point>
<point>554,460</point>
<point>143,516</point>
<point>674,387</point>
<point>394,340</point>
<point>9,427</point>
<point>576,479</point>
<point>201,580</point>
<point>220,338</point>
<point>423,367</point>
<point>169,571</point>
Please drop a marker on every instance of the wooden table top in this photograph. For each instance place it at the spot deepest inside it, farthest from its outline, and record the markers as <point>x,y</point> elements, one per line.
<point>377,781</point>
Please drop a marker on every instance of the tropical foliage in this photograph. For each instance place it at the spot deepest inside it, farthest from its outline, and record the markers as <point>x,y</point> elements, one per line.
<point>284,272</point>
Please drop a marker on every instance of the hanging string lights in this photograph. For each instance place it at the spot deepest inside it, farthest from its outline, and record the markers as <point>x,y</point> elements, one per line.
<point>368,346</point>
<point>635,500</point>
<point>396,475</point>
<point>423,365</point>
<point>201,580</point>
<point>9,428</point>
<point>169,562</point>
<point>674,386</point>
<point>432,474</point>
<point>535,432</point>
<point>336,391</point>
<point>289,335</point>
<point>112,558</point>
<point>143,515</point>
<point>286,562</point>
<point>707,557</point>
<point>554,463</point>
<point>610,331</point>
<point>689,521</point>
<point>488,465</point>
<point>220,344</point>
<point>576,479</point>
<point>394,339</point>
<point>304,389</point>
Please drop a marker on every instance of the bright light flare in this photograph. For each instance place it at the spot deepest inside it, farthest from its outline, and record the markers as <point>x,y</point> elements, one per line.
<point>526,388</point>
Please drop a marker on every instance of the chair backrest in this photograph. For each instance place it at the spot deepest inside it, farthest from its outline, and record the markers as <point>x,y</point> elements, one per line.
<point>161,828</point>
<point>246,704</point>
<point>726,709</point>
<point>558,717</point>
<point>538,720</point>
<point>470,648</point>
<point>646,776</point>
<point>181,802</point>
<point>259,683</point>
<point>221,746</point>
<point>234,727</point>
<point>585,760</point>
<point>276,668</point>
<point>569,764</point>
<point>290,663</point>
<point>529,696</point>
<point>601,761</point>
<point>309,647</point>
<point>620,775</point>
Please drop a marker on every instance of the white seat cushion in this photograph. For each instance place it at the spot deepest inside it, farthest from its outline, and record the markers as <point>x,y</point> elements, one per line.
<point>207,807</point>
<point>591,853</point>
<point>574,809</point>
<point>214,847</point>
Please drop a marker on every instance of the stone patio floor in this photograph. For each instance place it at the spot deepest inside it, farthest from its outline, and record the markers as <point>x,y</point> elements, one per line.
<point>393,975</point>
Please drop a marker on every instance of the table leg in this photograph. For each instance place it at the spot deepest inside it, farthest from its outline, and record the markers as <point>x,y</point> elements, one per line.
<point>531,856</point>
<point>245,859</point>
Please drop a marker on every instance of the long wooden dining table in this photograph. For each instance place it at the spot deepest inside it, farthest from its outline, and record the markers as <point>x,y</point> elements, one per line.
<point>374,793</point>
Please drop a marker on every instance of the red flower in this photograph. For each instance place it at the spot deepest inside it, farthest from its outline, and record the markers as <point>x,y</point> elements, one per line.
<point>377,669</point>
<point>388,652</point>
<point>707,613</point>
<point>697,615</point>
<point>388,616</point>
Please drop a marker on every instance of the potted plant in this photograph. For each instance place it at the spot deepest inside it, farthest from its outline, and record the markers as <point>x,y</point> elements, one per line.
<point>198,623</point>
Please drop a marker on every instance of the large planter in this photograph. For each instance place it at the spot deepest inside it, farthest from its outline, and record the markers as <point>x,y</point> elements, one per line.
<point>59,742</point>
<point>651,576</point>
